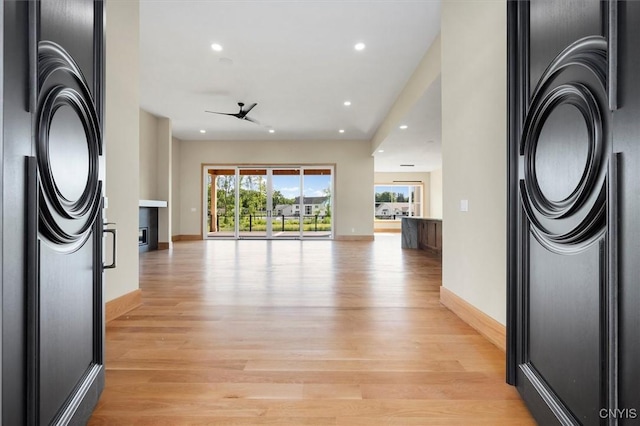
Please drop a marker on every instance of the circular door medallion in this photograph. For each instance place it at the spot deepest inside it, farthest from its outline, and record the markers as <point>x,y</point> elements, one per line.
<point>579,97</point>
<point>562,153</point>
<point>563,145</point>
<point>68,153</point>
<point>68,146</point>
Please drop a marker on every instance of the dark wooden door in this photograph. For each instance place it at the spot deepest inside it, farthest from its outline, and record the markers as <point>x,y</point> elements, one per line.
<point>574,141</point>
<point>52,303</point>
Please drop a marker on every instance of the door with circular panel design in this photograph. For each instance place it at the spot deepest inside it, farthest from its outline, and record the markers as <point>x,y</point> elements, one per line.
<point>53,359</point>
<point>569,208</point>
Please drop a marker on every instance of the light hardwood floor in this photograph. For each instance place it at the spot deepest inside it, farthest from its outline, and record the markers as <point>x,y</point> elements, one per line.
<point>299,333</point>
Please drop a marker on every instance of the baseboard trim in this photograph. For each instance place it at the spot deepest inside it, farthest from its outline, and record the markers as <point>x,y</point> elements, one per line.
<point>164,246</point>
<point>491,329</point>
<point>389,230</point>
<point>353,238</point>
<point>121,305</point>
<point>186,237</point>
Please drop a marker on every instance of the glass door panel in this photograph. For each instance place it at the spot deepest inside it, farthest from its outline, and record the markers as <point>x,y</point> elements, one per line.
<point>316,206</point>
<point>221,201</point>
<point>252,204</point>
<point>285,194</point>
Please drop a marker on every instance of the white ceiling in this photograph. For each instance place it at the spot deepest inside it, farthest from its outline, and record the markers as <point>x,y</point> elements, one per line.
<point>296,59</point>
<point>420,143</point>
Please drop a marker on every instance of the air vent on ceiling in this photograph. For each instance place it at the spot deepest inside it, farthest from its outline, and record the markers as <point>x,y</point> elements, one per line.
<point>407,165</point>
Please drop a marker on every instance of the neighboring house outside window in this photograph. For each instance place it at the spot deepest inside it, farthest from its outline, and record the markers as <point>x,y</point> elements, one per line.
<point>392,201</point>
<point>312,205</point>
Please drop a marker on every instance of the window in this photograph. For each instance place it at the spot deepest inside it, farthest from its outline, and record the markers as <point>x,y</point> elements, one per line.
<point>308,210</point>
<point>392,201</point>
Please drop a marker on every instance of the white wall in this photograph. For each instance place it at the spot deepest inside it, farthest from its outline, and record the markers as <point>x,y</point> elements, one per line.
<point>148,156</point>
<point>473,36</point>
<point>164,186</point>
<point>122,136</point>
<point>175,186</point>
<point>435,194</point>
<point>353,175</point>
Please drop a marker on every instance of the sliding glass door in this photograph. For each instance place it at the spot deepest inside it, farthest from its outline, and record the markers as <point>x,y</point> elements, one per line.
<point>285,217</point>
<point>268,202</point>
<point>316,202</point>
<point>252,206</point>
<point>220,202</point>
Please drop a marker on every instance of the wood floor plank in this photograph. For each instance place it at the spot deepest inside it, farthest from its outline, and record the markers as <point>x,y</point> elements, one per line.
<point>438,391</point>
<point>299,333</point>
<point>444,409</point>
<point>428,421</point>
<point>331,391</point>
<point>189,420</point>
<point>353,365</point>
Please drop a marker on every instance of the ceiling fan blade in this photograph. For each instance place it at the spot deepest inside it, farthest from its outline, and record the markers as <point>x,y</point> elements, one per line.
<point>226,113</point>
<point>246,110</point>
<point>242,114</point>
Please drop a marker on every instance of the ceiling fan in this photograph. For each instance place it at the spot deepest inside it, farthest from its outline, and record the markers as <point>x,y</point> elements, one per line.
<point>242,114</point>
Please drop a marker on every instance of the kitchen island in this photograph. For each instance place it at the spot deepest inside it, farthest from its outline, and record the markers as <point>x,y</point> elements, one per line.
<point>422,233</point>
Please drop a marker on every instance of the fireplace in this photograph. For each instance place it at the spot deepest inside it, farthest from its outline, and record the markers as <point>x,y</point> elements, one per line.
<point>143,236</point>
<point>148,229</point>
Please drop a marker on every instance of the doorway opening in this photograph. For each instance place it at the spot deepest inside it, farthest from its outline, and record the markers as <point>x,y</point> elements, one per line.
<point>268,202</point>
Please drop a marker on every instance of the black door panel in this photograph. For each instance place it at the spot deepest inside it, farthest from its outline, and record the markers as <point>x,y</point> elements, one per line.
<point>626,140</point>
<point>52,305</point>
<point>569,210</point>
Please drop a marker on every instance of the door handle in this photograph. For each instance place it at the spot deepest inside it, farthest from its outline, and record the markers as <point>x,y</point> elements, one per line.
<point>113,232</point>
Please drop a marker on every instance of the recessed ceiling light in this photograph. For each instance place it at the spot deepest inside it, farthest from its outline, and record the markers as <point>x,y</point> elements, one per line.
<point>359,46</point>
<point>216,47</point>
<point>404,126</point>
<point>347,103</point>
<point>271,131</point>
<point>203,131</point>
<point>341,130</point>
<point>381,150</point>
